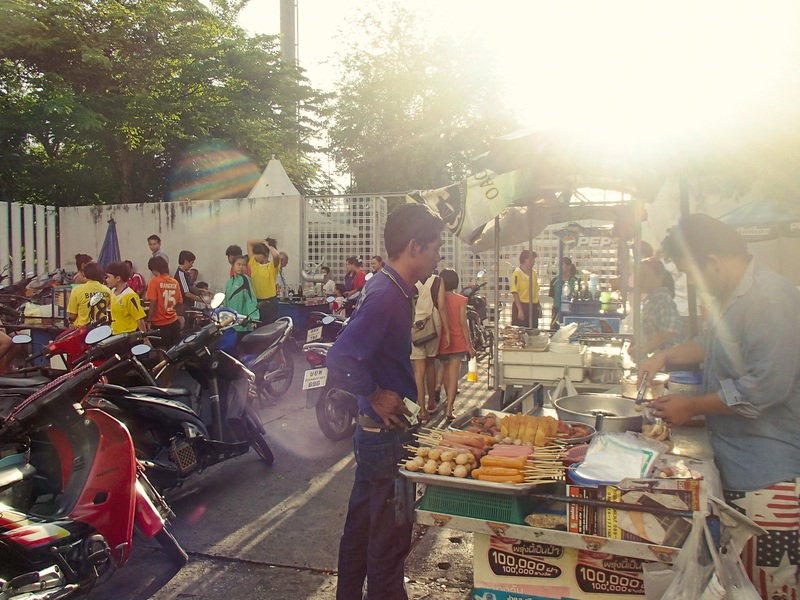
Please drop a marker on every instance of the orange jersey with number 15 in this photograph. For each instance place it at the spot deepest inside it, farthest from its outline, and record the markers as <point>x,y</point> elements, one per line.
<point>165,294</point>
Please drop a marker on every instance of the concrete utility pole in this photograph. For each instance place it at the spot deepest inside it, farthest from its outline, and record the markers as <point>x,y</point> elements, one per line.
<point>289,30</point>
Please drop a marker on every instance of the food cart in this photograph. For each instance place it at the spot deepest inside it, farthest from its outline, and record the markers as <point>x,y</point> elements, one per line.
<point>534,539</point>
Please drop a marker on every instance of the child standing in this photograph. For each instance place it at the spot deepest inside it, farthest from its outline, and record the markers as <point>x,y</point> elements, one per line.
<point>460,348</point>
<point>78,309</point>
<point>164,295</point>
<point>239,295</point>
<point>127,313</point>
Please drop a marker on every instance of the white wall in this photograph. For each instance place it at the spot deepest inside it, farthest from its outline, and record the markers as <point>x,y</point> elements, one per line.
<point>206,228</point>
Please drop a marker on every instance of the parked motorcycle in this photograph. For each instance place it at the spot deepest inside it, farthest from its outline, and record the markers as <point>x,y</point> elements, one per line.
<point>265,351</point>
<point>177,434</point>
<point>482,337</point>
<point>336,409</point>
<point>71,491</point>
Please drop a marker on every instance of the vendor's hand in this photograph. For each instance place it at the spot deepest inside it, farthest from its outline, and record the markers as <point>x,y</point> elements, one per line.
<point>520,312</point>
<point>651,366</point>
<point>389,405</point>
<point>674,409</point>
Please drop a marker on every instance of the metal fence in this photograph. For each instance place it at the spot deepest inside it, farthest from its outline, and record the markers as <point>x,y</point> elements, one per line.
<point>28,239</point>
<point>352,225</point>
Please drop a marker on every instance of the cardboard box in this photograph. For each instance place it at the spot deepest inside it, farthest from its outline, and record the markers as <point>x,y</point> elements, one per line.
<point>663,530</point>
<point>508,569</point>
<point>674,493</point>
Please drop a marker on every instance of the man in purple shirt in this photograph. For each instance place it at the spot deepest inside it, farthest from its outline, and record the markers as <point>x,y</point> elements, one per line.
<point>372,360</point>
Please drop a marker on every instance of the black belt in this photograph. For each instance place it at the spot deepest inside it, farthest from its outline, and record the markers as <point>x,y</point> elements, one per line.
<point>368,423</point>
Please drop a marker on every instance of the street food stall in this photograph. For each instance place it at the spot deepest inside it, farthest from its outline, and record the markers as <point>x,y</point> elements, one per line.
<point>554,517</point>
<point>545,525</point>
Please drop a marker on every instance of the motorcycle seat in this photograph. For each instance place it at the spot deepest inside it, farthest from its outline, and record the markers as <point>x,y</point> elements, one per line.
<point>264,336</point>
<point>21,382</point>
<point>167,393</point>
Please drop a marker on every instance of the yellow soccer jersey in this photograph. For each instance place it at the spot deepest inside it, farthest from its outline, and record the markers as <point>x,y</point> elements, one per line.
<point>79,302</point>
<point>126,309</point>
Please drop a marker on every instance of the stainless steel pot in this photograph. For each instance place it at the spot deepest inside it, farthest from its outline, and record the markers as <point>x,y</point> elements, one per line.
<point>604,412</point>
<point>654,390</point>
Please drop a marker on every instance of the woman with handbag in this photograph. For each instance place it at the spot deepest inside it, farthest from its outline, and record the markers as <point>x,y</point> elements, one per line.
<point>428,326</point>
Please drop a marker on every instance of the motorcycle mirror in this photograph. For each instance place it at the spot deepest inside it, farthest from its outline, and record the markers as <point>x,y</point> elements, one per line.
<point>98,334</point>
<point>219,298</point>
<point>368,276</point>
<point>21,339</point>
<point>328,320</point>
<point>481,273</point>
<point>330,299</point>
<point>141,349</point>
<point>96,298</point>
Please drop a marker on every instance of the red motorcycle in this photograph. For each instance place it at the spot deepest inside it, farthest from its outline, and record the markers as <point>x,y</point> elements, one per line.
<point>71,491</point>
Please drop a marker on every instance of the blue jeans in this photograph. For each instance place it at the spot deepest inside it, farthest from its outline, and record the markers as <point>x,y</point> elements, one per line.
<point>373,545</point>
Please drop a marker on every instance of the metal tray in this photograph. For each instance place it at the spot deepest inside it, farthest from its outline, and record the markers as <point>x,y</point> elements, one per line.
<point>468,483</point>
<point>464,420</point>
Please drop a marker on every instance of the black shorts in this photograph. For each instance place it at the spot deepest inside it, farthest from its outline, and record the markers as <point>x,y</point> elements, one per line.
<point>170,334</point>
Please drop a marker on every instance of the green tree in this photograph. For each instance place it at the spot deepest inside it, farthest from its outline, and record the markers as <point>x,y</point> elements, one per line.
<point>100,99</point>
<point>412,110</point>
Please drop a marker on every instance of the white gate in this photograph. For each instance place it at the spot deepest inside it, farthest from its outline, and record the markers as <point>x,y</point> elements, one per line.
<point>28,239</point>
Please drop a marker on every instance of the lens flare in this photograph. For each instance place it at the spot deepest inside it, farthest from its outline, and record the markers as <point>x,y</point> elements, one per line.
<point>212,171</point>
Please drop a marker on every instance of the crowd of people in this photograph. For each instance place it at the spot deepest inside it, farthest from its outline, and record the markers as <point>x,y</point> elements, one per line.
<point>252,288</point>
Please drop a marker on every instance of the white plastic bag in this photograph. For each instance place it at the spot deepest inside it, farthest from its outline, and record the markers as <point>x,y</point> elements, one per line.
<point>694,566</point>
<point>730,574</point>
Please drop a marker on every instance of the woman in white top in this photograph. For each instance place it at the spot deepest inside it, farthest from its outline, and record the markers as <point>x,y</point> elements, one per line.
<point>329,286</point>
<point>423,358</point>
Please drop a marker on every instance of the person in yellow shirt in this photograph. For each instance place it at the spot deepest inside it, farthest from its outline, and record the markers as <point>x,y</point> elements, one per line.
<point>78,309</point>
<point>265,264</point>
<point>520,290</point>
<point>127,313</point>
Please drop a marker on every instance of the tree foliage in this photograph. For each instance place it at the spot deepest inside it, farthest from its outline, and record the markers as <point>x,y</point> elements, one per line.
<point>99,99</point>
<point>412,110</point>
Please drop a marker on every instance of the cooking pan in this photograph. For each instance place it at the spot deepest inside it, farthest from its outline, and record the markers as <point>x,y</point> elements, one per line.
<point>604,412</point>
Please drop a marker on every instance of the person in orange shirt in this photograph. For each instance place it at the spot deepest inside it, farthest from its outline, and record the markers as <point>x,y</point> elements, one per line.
<point>164,294</point>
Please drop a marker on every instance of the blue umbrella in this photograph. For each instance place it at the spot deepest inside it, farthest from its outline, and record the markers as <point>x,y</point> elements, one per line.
<point>110,251</point>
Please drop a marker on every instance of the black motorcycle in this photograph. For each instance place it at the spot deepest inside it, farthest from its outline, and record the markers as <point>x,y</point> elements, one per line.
<point>336,409</point>
<point>481,336</point>
<point>177,433</point>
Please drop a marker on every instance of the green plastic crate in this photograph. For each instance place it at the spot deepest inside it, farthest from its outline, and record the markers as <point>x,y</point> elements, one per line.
<point>487,506</point>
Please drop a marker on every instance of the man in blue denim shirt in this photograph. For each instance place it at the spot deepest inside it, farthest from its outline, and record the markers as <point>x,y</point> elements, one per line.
<point>751,356</point>
<point>372,359</point>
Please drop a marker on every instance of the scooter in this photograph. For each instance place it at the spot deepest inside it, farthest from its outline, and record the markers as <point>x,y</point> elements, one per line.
<point>177,433</point>
<point>336,409</point>
<point>481,336</point>
<point>71,491</point>
<point>264,351</point>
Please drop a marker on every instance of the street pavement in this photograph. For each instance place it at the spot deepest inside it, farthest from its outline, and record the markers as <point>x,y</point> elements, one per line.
<point>258,531</point>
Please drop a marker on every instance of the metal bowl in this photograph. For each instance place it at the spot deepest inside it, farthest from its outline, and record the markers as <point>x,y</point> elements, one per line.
<point>604,412</point>
<point>656,389</point>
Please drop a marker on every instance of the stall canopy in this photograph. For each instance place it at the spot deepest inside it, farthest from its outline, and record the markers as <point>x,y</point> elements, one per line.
<point>772,232</point>
<point>109,253</point>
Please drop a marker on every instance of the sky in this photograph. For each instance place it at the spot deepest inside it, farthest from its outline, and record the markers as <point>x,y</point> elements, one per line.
<point>613,67</point>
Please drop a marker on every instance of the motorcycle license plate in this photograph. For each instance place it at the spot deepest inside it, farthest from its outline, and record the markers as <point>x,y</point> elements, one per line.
<point>315,378</point>
<point>314,334</point>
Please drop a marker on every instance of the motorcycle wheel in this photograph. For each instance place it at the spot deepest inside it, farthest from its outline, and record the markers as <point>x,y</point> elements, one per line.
<point>280,386</point>
<point>261,446</point>
<point>334,418</point>
<point>171,547</point>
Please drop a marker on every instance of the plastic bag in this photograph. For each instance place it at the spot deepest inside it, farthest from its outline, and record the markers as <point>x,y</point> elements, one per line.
<point>730,575</point>
<point>694,566</point>
<point>472,370</point>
